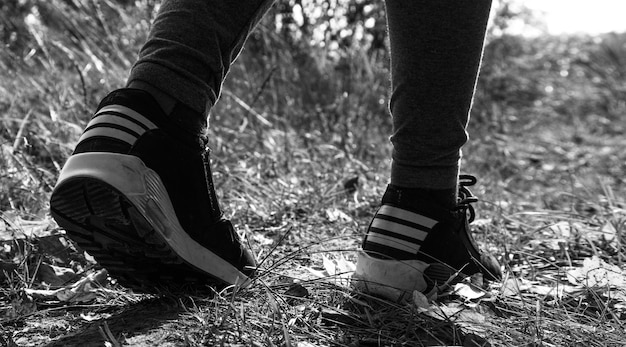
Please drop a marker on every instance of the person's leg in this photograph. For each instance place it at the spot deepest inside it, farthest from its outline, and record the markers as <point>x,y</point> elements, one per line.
<point>137,192</point>
<point>190,49</point>
<point>436,49</point>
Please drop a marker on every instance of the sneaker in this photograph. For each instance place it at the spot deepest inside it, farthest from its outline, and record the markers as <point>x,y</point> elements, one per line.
<point>415,245</point>
<point>137,194</point>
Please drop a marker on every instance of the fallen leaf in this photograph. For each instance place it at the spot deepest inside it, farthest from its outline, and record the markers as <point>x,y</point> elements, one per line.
<point>562,229</point>
<point>82,291</point>
<point>57,247</point>
<point>595,272</point>
<point>41,294</point>
<point>468,319</point>
<point>83,294</point>
<point>333,316</point>
<point>92,316</point>
<point>420,300</point>
<point>296,290</point>
<point>557,291</point>
<point>511,287</point>
<point>55,275</point>
<point>316,273</point>
<point>344,265</point>
<point>338,269</point>
<point>468,292</point>
<point>335,214</point>
<point>20,228</point>
<point>329,266</point>
<point>515,286</point>
<point>608,231</point>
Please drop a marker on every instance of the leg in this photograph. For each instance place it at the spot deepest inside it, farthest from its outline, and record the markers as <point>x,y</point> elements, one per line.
<point>190,49</point>
<point>419,237</point>
<point>137,192</point>
<point>436,48</point>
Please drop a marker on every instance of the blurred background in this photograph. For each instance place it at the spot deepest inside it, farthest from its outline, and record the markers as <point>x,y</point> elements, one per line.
<point>309,96</point>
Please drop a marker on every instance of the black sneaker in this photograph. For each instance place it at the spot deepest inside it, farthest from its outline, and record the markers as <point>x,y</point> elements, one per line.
<point>137,194</point>
<point>414,244</point>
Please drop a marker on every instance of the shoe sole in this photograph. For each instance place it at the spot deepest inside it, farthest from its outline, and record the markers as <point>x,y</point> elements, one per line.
<point>118,210</point>
<point>394,280</point>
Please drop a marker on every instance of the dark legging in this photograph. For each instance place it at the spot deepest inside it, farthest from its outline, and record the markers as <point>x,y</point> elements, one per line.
<point>436,48</point>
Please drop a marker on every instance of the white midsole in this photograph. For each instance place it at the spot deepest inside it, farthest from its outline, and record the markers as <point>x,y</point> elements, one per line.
<point>395,280</point>
<point>143,187</point>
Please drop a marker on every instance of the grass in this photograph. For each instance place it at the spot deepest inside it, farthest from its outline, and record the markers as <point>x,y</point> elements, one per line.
<point>294,125</point>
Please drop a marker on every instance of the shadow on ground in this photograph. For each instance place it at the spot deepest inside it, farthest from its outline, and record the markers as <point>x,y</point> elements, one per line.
<point>144,319</point>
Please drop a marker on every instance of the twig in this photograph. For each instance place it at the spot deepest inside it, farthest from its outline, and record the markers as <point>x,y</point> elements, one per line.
<point>18,137</point>
<point>247,107</point>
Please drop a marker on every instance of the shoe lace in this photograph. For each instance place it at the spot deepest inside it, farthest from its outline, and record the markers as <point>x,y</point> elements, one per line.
<point>466,198</point>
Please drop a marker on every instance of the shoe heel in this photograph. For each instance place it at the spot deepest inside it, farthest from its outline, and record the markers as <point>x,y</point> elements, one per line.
<point>394,280</point>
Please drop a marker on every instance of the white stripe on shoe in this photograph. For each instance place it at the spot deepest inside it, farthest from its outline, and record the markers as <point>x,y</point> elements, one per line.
<point>129,112</point>
<point>400,229</point>
<point>393,242</point>
<point>407,216</point>
<point>117,122</point>
<point>109,132</point>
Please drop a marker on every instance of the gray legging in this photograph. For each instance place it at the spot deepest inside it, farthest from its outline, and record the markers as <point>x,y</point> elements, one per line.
<point>436,48</point>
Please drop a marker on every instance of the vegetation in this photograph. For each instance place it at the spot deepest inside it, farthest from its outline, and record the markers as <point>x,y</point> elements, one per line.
<point>303,116</point>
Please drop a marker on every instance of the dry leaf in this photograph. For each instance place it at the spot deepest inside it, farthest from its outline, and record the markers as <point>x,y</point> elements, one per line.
<point>420,301</point>
<point>81,291</point>
<point>329,266</point>
<point>511,287</point>
<point>597,273</point>
<point>316,273</point>
<point>608,231</point>
<point>468,319</point>
<point>338,269</point>
<point>21,228</point>
<point>335,214</point>
<point>344,265</point>
<point>55,275</point>
<point>296,290</point>
<point>468,292</point>
<point>562,229</point>
<point>554,291</point>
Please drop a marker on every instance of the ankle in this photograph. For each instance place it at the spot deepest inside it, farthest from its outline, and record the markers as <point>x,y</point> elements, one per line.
<point>164,100</point>
<point>409,197</point>
<point>187,119</point>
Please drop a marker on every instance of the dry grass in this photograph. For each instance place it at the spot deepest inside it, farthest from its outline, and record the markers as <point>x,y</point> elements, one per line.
<point>547,145</point>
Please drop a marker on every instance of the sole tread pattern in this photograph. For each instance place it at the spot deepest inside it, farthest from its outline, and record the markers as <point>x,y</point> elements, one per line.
<point>106,225</point>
